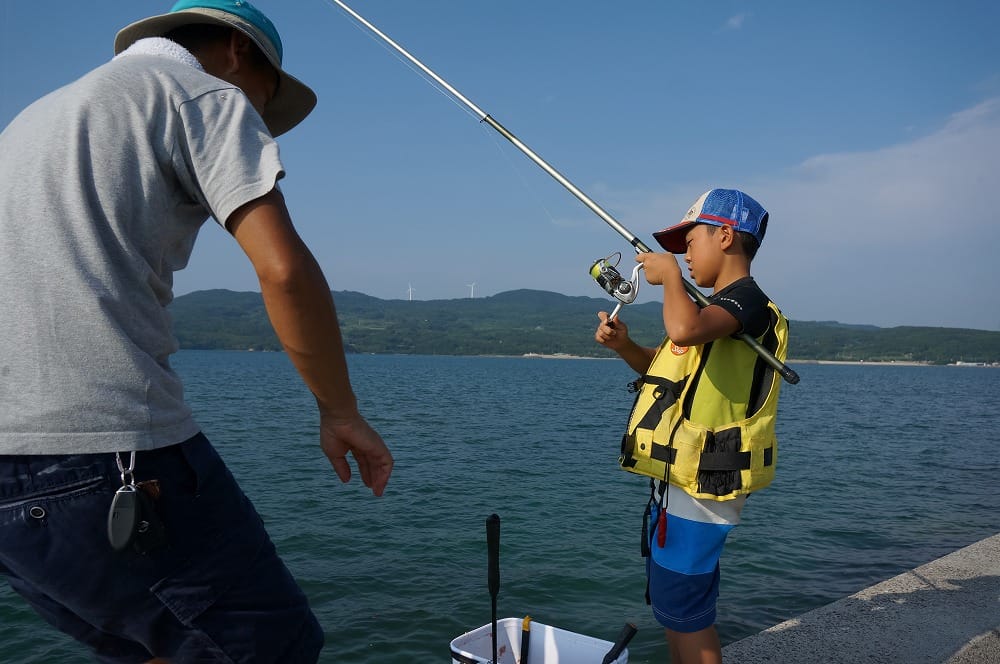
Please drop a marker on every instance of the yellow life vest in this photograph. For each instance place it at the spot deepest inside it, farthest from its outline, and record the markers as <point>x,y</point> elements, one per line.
<point>704,416</point>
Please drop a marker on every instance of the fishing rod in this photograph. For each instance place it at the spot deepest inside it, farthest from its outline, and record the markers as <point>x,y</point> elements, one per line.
<point>784,370</point>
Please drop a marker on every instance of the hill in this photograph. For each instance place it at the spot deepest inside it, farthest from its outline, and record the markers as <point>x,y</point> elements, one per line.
<point>531,321</point>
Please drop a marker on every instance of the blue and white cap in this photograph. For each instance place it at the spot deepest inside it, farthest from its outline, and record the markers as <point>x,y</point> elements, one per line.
<point>293,101</point>
<point>718,207</point>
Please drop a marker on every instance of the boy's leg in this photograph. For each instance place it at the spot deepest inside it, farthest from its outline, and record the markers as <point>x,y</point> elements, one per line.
<point>683,572</point>
<point>701,647</point>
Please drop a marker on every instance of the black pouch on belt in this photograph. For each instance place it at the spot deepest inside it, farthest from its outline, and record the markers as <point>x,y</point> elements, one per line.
<point>150,533</point>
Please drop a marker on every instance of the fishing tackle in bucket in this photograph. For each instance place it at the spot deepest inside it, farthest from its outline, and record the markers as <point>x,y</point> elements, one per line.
<point>786,372</point>
<point>508,640</point>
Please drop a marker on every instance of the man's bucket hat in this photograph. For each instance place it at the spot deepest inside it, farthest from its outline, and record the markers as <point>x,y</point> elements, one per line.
<point>293,101</point>
<point>717,207</point>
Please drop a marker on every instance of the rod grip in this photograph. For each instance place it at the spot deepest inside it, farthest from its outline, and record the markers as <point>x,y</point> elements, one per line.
<point>788,374</point>
<point>493,553</point>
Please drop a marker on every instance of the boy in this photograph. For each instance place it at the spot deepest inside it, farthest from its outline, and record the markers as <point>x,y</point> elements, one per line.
<point>703,422</point>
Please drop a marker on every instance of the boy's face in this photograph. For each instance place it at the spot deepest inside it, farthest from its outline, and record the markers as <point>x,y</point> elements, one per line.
<point>704,253</point>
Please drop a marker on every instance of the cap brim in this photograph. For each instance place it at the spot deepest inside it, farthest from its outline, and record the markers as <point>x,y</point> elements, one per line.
<point>294,99</point>
<point>673,239</point>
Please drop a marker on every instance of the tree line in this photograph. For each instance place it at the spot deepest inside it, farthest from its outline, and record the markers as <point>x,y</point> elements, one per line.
<point>529,321</point>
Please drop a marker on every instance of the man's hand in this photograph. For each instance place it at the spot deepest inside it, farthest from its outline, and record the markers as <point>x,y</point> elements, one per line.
<point>355,435</point>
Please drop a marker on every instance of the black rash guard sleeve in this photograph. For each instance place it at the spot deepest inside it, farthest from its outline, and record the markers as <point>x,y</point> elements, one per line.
<point>747,303</point>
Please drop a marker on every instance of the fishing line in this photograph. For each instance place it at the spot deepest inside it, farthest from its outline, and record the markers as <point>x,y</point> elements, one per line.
<point>379,39</point>
<point>640,247</point>
<point>501,148</point>
<point>505,153</point>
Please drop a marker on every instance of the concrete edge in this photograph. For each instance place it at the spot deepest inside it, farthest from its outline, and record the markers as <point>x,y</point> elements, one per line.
<point>946,611</point>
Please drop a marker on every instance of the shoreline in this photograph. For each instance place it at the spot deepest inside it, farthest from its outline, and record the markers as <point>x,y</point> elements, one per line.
<point>568,356</point>
<point>896,363</point>
<point>875,363</point>
<point>555,356</point>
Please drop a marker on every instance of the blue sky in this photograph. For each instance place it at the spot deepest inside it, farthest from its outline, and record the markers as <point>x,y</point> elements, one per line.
<point>869,130</point>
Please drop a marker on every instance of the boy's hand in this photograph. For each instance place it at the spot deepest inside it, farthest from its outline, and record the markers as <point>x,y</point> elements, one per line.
<point>612,334</point>
<point>657,266</point>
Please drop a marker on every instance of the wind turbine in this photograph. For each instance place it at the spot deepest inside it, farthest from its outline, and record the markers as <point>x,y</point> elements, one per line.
<point>409,291</point>
<point>472,289</point>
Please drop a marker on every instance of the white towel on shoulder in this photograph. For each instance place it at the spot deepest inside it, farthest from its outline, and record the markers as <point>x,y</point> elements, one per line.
<point>163,47</point>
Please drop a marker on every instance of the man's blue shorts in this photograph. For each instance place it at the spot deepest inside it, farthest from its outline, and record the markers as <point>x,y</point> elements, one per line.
<point>216,592</point>
<point>683,574</point>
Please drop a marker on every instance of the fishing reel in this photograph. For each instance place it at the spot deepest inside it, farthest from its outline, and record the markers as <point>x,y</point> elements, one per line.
<point>605,273</point>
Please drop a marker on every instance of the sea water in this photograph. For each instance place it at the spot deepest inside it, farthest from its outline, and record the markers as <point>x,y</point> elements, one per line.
<point>881,469</point>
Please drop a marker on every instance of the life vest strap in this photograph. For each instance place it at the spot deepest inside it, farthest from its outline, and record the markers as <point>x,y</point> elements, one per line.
<point>712,461</point>
<point>724,461</point>
<point>663,453</point>
<point>665,394</point>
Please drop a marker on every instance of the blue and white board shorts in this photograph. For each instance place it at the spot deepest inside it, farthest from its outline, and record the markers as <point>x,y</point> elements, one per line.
<point>683,574</point>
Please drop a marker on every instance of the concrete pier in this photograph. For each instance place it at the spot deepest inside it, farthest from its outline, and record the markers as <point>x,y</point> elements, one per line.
<point>944,612</point>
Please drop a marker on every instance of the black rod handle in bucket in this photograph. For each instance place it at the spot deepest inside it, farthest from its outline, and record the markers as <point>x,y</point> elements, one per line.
<point>628,631</point>
<point>493,571</point>
<point>493,552</point>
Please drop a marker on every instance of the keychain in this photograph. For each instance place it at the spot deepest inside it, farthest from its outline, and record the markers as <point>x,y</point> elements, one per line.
<point>123,518</point>
<point>132,519</point>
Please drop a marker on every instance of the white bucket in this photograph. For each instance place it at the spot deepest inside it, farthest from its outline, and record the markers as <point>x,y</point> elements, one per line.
<point>549,645</point>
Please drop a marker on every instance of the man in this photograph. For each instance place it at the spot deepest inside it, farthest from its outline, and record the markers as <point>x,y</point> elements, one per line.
<point>119,523</point>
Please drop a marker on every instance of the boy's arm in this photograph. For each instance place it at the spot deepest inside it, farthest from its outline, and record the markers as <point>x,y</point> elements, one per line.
<point>686,323</point>
<point>614,335</point>
<point>301,309</point>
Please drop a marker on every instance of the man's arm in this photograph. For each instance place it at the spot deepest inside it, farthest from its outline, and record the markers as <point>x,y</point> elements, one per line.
<point>301,310</point>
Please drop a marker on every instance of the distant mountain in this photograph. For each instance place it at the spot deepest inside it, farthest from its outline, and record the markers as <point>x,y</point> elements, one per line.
<point>532,321</point>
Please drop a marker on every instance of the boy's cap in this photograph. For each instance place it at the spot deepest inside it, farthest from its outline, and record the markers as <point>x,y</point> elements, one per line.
<point>718,207</point>
<point>293,101</point>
